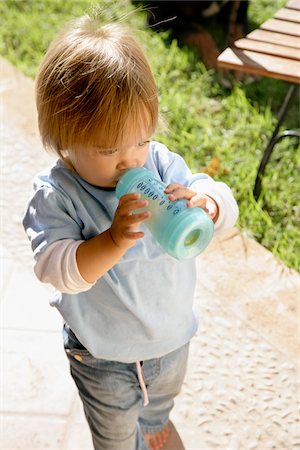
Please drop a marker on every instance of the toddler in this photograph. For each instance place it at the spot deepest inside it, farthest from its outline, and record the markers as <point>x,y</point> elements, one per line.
<point>127,305</point>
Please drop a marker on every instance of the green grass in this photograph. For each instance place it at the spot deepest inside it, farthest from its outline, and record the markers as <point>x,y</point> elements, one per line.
<point>223,131</point>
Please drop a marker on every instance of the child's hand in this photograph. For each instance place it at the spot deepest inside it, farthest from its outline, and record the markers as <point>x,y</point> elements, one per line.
<point>125,224</point>
<point>177,191</point>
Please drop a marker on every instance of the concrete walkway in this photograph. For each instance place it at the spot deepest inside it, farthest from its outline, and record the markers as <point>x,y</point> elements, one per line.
<point>241,388</point>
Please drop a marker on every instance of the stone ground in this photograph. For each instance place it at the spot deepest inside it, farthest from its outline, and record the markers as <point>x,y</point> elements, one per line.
<point>242,387</point>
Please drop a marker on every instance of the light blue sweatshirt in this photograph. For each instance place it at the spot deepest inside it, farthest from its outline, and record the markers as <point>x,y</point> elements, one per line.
<point>142,307</point>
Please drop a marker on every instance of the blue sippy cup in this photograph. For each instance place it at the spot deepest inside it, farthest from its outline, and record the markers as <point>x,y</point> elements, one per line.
<point>183,232</point>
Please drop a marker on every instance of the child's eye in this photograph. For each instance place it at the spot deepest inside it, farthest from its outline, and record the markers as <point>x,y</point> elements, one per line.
<point>143,143</point>
<point>108,152</point>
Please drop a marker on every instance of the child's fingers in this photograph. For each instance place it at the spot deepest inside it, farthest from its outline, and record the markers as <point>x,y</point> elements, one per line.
<point>127,197</point>
<point>197,200</point>
<point>127,207</point>
<point>133,235</point>
<point>135,219</point>
<point>179,193</point>
<point>206,203</point>
<point>173,187</point>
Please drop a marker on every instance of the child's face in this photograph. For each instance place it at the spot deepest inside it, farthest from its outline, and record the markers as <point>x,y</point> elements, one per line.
<point>103,167</point>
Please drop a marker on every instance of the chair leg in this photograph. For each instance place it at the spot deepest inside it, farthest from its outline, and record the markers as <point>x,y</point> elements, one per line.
<point>274,139</point>
<point>257,186</point>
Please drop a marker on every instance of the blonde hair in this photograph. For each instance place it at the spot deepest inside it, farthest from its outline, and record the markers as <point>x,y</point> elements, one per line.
<point>94,81</point>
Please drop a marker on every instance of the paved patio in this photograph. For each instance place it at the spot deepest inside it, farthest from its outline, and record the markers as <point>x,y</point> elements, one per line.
<point>241,390</point>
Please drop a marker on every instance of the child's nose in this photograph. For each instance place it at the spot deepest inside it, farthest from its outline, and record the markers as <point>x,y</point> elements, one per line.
<point>128,159</point>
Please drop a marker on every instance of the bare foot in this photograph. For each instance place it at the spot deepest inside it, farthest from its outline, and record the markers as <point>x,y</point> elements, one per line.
<point>158,440</point>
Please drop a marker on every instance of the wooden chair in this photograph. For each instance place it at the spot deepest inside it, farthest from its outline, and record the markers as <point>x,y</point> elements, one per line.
<point>271,51</point>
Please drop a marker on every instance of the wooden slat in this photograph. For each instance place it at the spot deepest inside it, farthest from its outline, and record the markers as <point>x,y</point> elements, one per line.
<point>274,38</point>
<point>269,49</point>
<point>281,26</point>
<point>291,15</point>
<point>260,64</point>
<point>294,4</point>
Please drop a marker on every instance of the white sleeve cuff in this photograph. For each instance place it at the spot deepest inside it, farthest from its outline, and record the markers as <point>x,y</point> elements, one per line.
<point>57,265</point>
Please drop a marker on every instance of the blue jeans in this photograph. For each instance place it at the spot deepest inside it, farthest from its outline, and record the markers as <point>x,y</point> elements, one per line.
<point>112,397</point>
